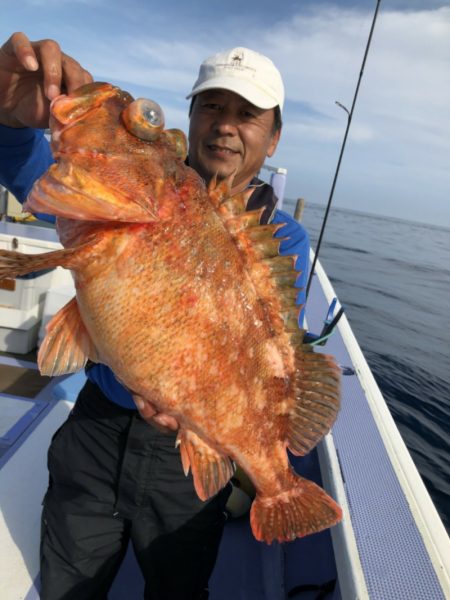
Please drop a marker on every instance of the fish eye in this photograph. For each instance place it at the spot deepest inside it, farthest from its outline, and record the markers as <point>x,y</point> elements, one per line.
<point>144,119</point>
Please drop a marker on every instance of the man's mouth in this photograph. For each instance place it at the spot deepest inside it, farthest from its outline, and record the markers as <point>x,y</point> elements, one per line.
<point>216,148</point>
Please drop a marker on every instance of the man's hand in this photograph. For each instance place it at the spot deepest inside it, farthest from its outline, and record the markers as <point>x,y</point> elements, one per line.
<point>162,422</point>
<point>31,75</point>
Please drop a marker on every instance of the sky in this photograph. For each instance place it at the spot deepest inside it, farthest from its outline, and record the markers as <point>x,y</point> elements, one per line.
<point>397,157</point>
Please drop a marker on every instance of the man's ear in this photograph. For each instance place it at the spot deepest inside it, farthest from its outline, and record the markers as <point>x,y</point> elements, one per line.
<point>274,143</point>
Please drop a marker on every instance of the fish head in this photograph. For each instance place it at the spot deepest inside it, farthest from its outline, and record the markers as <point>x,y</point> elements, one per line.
<point>102,118</point>
<point>114,159</point>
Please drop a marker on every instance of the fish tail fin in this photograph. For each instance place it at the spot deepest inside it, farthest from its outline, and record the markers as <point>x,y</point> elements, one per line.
<point>304,509</point>
<point>13,264</point>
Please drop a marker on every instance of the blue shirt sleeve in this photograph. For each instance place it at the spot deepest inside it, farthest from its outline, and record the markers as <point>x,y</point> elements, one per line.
<point>24,156</point>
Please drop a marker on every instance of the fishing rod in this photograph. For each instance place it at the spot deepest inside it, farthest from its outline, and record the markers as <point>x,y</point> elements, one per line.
<point>349,121</point>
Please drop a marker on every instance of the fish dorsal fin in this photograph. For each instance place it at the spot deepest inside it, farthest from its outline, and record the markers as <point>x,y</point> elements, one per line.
<point>220,195</point>
<point>273,276</point>
<point>219,191</point>
<point>67,344</point>
<point>211,471</point>
<point>316,380</point>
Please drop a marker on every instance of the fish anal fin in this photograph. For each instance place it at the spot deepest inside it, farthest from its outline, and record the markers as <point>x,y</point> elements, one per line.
<point>317,400</point>
<point>67,344</point>
<point>303,509</point>
<point>211,471</point>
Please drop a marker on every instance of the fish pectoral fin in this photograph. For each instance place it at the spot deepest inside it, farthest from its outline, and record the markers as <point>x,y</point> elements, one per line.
<point>317,401</point>
<point>303,509</point>
<point>14,264</point>
<point>210,469</point>
<point>67,344</point>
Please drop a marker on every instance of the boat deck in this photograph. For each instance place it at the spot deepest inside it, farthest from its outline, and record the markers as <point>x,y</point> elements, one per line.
<point>391,544</point>
<point>387,534</point>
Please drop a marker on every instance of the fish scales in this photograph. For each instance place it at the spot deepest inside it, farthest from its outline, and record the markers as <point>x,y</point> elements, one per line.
<point>188,296</point>
<point>181,294</point>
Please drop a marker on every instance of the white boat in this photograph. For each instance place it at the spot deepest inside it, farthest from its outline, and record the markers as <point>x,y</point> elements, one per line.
<point>391,543</point>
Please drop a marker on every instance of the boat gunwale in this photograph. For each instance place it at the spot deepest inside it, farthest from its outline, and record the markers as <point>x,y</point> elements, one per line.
<point>423,510</point>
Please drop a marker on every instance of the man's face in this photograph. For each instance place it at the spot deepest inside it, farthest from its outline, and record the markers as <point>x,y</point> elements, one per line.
<point>227,134</point>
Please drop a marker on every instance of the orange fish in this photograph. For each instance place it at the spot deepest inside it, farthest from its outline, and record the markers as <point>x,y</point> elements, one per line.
<point>184,295</point>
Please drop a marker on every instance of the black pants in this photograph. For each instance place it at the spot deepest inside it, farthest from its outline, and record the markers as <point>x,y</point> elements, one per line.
<point>114,478</point>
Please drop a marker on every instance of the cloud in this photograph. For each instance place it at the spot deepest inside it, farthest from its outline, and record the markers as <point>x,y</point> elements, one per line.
<point>60,3</point>
<point>401,113</point>
<point>319,53</point>
<point>399,136</point>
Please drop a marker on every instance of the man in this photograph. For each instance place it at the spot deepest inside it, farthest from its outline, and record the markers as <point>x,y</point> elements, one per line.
<point>113,477</point>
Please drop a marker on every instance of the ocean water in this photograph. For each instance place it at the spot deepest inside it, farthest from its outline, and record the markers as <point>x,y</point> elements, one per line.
<point>393,277</point>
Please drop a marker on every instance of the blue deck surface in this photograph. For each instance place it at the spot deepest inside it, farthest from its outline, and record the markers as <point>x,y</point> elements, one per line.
<point>250,570</point>
<point>394,559</point>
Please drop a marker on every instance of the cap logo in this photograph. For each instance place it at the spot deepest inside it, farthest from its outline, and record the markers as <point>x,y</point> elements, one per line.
<point>236,59</point>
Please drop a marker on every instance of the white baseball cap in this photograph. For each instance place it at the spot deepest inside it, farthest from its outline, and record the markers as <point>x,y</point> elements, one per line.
<point>245,72</point>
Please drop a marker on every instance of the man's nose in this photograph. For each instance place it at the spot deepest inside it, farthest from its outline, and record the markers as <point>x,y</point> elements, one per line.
<point>226,123</point>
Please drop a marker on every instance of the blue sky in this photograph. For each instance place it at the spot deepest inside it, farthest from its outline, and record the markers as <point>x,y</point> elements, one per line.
<point>397,160</point>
